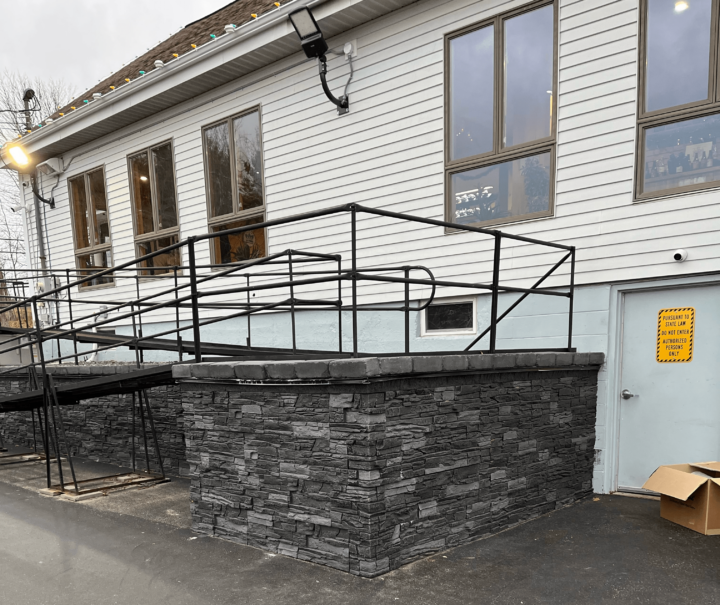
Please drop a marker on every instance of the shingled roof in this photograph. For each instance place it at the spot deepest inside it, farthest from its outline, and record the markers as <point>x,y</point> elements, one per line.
<point>196,33</point>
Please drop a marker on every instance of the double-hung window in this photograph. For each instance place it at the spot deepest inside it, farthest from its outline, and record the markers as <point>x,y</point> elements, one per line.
<point>91,226</point>
<point>679,100</point>
<point>500,117</point>
<point>152,175</point>
<point>234,177</point>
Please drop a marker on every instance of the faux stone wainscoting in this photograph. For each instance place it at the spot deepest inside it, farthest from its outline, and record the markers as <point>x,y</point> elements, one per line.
<point>100,428</point>
<point>366,465</point>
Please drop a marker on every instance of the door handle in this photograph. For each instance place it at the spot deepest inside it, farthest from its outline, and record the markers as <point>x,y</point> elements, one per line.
<point>626,394</point>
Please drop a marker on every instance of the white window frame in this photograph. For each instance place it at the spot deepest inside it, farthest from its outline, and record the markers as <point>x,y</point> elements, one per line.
<point>424,332</point>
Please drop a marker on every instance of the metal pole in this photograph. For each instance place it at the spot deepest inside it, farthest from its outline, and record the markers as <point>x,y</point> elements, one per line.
<point>292,302</point>
<point>72,327</point>
<point>194,299</point>
<point>135,336</point>
<point>32,413</point>
<point>26,101</point>
<point>56,439</point>
<point>64,436</point>
<point>43,435</point>
<point>140,327</point>
<point>495,285</point>
<point>353,235</point>
<point>154,433</point>
<point>572,298</point>
<point>249,315</point>
<point>132,454</point>
<point>57,317</point>
<point>41,354</point>
<point>339,272</point>
<point>407,310</point>
<point>39,234</point>
<point>38,223</point>
<point>177,315</point>
<point>34,386</point>
<point>144,430</point>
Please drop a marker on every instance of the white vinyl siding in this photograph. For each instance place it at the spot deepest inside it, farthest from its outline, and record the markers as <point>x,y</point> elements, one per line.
<point>388,153</point>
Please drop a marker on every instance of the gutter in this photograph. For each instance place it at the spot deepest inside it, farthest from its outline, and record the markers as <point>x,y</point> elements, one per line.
<point>221,44</point>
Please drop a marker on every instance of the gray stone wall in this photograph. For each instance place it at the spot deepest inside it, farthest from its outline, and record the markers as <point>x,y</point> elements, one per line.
<point>366,465</point>
<point>101,428</point>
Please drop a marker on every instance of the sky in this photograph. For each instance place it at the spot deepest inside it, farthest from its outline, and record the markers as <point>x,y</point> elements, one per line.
<point>83,41</point>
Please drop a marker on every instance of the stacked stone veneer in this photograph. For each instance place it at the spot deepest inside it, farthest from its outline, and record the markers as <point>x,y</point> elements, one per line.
<point>100,428</point>
<point>365,465</point>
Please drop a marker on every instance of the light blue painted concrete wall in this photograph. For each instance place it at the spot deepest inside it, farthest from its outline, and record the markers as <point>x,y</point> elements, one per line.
<point>538,322</point>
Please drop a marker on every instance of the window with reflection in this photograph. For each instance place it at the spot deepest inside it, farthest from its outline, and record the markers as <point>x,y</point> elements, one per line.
<point>507,190</point>
<point>678,52</point>
<point>234,178</point>
<point>679,103</point>
<point>91,226</point>
<point>154,197</point>
<point>501,117</point>
<point>682,154</point>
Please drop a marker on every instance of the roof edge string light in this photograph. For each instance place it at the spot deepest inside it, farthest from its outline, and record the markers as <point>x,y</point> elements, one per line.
<point>229,28</point>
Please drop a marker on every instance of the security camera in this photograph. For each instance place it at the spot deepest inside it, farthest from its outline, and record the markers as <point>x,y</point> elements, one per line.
<point>19,207</point>
<point>680,255</point>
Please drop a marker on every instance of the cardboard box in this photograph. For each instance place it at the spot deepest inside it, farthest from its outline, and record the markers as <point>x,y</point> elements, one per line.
<point>689,495</point>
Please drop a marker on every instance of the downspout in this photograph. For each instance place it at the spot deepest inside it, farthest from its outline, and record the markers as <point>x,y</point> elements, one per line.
<point>26,232</point>
<point>40,238</point>
<point>33,186</point>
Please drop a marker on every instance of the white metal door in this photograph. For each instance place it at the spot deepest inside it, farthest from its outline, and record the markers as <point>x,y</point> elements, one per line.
<point>673,415</point>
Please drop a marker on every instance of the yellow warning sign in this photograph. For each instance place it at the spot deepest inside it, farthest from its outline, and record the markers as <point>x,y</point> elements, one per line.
<point>676,335</point>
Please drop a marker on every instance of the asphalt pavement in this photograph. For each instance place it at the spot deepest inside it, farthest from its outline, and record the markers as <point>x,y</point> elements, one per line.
<point>136,548</point>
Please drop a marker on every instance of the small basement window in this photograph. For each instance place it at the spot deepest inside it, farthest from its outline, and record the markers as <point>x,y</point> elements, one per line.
<point>451,317</point>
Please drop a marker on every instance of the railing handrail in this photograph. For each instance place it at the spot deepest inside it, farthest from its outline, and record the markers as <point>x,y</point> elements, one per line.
<point>282,279</point>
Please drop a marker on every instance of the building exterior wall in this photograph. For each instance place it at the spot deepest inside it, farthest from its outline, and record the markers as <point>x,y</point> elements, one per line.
<point>388,153</point>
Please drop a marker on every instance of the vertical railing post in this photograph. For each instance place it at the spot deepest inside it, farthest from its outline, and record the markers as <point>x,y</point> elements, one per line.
<point>135,335</point>
<point>249,315</point>
<point>572,298</point>
<point>340,334</point>
<point>194,299</point>
<point>495,292</point>
<point>154,433</point>
<point>292,302</point>
<point>20,321</point>
<point>55,282</point>
<point>70,313</point>
<point>353,235</point>
<point>177,316</point>
<point>407,309</point>
<point>55,403</point>
<point>132,433</point>
<point>144,430</point>
<point>140,324</point>
<point>41,355</point>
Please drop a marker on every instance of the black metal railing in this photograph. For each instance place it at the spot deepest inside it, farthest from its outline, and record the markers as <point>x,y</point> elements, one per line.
<point>199,295</point>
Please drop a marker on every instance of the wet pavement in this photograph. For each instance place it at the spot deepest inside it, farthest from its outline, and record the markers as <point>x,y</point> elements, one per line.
<point>135,548</point>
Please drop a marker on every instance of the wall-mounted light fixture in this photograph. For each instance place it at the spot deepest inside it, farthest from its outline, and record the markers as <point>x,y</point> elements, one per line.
<point>14,156</point>
<point>18,155</point>
<point>315,46</point>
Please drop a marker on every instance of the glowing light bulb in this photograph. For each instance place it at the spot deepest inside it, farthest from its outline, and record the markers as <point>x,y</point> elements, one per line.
<point>19,156</point>
<point>681,6</point>
<point>143,178</point>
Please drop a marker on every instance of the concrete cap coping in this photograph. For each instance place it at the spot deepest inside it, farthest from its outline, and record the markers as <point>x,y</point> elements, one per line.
<point>375,367</point>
